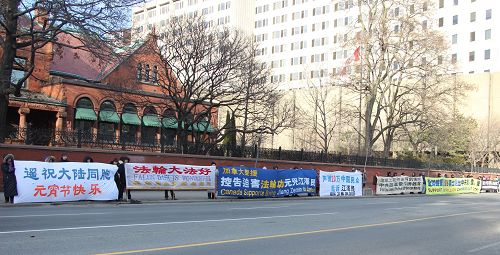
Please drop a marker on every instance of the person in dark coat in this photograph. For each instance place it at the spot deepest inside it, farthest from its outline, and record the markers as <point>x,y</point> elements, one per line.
<point>88,159</point>
<point>9,178</point>
<point>117,176</point>
<point>64,158</point>
<point>123,180</point>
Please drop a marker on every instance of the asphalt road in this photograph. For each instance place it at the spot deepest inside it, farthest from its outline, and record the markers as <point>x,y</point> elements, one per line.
<point>467,224</point>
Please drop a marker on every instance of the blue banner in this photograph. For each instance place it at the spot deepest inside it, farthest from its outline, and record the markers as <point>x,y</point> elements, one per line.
<point>248,182</point>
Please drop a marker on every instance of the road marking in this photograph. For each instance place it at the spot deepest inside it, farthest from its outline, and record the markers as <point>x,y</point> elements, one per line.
<point>381,203</point>
<point>176,247</point>
<point>401,208</point>
<point>484,247</point>
<point>260,207</point>
<point>49,215</point>
<point>265,207</point>
<point>167,223</point>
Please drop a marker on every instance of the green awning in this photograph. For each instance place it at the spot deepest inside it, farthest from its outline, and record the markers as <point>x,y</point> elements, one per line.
<point>131,119</point>
<point>169,123</point>
<point>85,114</point>
<point>109,116</point>
<point>203,126</point>
<point>151,121</point>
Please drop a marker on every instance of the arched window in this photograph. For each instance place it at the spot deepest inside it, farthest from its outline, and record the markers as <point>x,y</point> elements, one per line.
<point>130,122</point>
<point>108,121</point>
<point>146,74</point>
<point>84,102</point>
<point>169,126</point>
<point>151,123</point>
<point>84,118</point>
<point>139,71</point>
<point>129,108</point>
<point>155,74</point>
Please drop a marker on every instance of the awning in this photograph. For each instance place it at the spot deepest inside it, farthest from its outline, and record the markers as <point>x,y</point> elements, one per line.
<point>85,114</point>
<point>203,126</point>
<point>131,119</point>
<point>109,116</point>
<point>151,121</point>
<point>169,123</point>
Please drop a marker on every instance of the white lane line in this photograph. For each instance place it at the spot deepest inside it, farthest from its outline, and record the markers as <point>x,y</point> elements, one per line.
<point>260,207</point>
<point>265,207</point>
<point>49,215</point>
<point>167,223</point>
<point>382,203</point>
<point>401,208</point>
<point>484,247</point>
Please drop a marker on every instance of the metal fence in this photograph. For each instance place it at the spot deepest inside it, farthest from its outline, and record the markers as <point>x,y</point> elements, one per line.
<point>83,139</point>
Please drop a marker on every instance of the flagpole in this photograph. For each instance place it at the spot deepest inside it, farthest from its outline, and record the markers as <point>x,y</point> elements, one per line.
<point>360,99</point>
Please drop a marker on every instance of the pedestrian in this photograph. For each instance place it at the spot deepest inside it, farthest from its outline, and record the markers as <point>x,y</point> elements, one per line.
<point>395,174</point>
<point>88,159</point>
<point>50,159</point>
<point>389,174</point>
<point>117,177</point>
<point>123,180</point>
<point>64,158</point>
<point>422,174</point>
<point>402,174</point>
<point>439,175</point>
<point>9,178</point>
<point>211,192</point>
<point>445,175</point>
<point>413,174</point>
<point>275,167</point>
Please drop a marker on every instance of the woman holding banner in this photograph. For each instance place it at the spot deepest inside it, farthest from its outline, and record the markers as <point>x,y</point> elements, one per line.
<point>9,178</point>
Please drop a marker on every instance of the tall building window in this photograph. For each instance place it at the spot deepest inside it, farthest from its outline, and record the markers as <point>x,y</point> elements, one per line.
<point>146,73</point>
<point>441,3</point>
<point>441,22</point>
<point>472,36</point>
<point>487,34</point>
<point>455,19</point>
<point>155,74</point>
<point>472,16</point>
<point>472,56</point>
<point>454,58</point>
<point>454,39</point>
<point>139,71</point>
<point>455,2</point>
<point>488,14</point>
<point>487,54</point>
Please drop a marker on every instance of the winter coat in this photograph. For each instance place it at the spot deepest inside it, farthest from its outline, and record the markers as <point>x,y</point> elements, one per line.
<point>9,179</point>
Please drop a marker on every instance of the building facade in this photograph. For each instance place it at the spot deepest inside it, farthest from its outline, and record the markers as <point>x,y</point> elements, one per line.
<point>75,95</point>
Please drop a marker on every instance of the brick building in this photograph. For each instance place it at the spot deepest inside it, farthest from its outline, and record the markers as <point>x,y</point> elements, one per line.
<point>114,101</point>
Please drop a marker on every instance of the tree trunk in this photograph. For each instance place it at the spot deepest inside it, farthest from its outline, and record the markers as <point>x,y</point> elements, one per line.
<point>9,54</point>
<point>369,128</point>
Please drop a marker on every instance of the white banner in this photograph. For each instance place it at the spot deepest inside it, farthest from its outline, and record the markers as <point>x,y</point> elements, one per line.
<point>489,185</point>
<point>340,184</point>
<point>399,184</point>
<point>169,177</point>
<point>68,181</point>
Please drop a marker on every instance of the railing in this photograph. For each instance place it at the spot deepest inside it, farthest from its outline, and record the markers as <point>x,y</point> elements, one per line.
<point>111,142</point>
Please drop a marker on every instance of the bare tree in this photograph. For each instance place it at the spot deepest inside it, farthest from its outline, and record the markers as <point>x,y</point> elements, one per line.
<point>26,27</point>
<point>258,109</point>
<point>202,65</point>
<point>402,71</point>
<point>325,118</point>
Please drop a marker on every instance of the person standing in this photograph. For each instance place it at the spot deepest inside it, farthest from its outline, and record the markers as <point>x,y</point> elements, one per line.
<point>9,178</point>
<point>88,159</point>
<point>211,192</point>
<point>64,158</point>
<point>121,177</point>
<point>50,159</point>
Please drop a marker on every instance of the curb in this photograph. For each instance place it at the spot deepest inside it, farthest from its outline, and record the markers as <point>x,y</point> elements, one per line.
<point>220,200</point>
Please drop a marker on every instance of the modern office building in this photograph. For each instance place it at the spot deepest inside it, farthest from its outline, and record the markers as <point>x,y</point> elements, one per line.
<point>302,40</point>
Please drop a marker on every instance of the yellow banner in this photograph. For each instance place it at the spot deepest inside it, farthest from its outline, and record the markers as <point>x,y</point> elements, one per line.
<point>436,186</point>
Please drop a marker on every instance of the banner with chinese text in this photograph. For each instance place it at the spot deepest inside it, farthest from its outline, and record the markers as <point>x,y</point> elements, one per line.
<point>247,182</point>
<point>399,184</point>
<point>435,186</point>
<point>340,184</point>
<point>69,181</point>
<point>169,177</point>
<point>489,185</point>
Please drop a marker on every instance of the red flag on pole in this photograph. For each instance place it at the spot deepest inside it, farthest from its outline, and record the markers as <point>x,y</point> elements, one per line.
<point>355,55</point>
